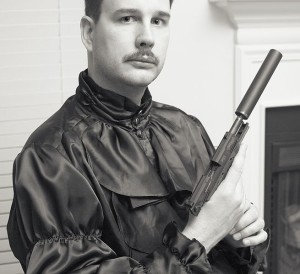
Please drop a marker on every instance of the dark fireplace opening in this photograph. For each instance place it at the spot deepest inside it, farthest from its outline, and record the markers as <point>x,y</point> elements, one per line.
<point>282,189</point>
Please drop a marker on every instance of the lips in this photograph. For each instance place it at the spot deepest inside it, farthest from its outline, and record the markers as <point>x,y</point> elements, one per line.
<point>142,57</point>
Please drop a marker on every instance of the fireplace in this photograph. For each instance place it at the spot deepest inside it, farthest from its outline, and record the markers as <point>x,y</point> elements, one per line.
<point>271,174</point>
<point>282,188</point>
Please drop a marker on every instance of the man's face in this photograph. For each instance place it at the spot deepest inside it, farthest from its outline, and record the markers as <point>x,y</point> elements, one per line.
<point>130,42</point>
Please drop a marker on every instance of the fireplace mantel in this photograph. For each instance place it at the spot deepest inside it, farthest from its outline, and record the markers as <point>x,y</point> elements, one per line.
<point>260,26</point>
<point>265,21</point>
<point>264,13</point>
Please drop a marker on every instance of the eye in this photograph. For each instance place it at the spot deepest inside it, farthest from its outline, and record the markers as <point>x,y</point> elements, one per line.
<point>157,21</point>
<point>128,19</point>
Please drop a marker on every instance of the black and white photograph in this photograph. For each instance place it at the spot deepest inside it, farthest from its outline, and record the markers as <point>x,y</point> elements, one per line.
<point>150,137</point>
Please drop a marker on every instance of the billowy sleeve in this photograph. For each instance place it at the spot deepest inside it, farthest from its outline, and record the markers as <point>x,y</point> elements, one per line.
<point>56,222</point>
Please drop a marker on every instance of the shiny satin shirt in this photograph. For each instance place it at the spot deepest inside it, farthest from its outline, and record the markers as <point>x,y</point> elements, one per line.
<point>100,188</point>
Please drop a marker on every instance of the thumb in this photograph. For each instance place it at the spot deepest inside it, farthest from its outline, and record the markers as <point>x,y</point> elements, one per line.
<point>237,166</point>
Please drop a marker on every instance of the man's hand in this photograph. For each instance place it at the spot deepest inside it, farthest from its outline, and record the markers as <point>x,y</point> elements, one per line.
<point>248,231</point>
<point>221,213</point>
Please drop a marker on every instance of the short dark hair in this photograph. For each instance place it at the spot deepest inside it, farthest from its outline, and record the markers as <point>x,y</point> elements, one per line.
<point>93,8</point>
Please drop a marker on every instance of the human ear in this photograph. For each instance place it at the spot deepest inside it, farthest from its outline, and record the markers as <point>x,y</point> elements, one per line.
<point>87,26</point>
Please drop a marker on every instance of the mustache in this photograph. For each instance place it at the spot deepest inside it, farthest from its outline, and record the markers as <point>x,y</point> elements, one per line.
<point>140,56</point>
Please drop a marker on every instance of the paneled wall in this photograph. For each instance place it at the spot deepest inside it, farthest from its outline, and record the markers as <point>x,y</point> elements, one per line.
<point>40,57</point>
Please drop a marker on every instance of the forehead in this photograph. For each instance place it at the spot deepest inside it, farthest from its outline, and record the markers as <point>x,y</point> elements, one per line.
<point>111,6</point>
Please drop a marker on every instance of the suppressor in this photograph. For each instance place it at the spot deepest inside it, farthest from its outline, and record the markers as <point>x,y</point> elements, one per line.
<point>258,84</point>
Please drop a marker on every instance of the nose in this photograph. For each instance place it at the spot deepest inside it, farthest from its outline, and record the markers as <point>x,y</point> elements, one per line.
<point>145,39</point>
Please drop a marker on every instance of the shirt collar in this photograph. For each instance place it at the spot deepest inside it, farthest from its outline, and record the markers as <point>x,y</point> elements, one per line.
<point>112,107</point>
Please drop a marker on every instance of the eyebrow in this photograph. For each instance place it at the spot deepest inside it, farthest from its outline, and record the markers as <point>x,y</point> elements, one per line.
<point>136,11</point>
<point>126,11</point>
<point>164,14</point>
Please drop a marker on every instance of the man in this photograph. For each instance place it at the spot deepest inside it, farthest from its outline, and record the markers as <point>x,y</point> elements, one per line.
<point>100,186</point>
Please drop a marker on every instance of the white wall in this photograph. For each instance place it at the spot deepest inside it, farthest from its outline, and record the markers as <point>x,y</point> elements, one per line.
<point>198,75</point>
<point>41,55</point>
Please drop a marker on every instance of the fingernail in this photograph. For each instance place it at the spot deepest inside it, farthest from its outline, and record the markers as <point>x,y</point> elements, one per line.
<point>246,242</point>
<point>237,236</point>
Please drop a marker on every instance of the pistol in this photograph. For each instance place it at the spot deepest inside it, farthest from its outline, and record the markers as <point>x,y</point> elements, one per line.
<point>230,144</point>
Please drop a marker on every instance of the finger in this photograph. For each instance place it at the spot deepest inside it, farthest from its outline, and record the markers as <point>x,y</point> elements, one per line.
<point>259,238</point>
<point>237,166</point>
<point>250,230</point>
<point>250,215</point>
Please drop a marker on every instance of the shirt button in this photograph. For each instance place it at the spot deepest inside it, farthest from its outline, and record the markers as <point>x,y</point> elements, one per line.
<point>136,121</point>
<point>139,133</point>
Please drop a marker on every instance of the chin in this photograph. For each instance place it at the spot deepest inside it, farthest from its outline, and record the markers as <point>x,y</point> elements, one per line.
<point>141,78</point>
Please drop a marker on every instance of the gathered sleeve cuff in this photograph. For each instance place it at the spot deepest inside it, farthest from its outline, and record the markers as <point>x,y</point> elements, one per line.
<point>188,255</point>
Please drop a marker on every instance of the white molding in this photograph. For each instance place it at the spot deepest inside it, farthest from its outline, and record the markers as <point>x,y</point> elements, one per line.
<point>265,35</point>
<point>264,13</point>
